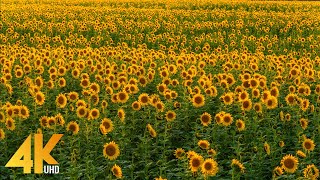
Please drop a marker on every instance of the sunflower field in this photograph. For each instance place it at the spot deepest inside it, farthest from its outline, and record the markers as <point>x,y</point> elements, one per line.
<point>177,90</point>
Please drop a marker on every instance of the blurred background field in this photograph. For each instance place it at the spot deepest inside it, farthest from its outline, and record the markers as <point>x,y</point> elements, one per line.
<point>163,90</point>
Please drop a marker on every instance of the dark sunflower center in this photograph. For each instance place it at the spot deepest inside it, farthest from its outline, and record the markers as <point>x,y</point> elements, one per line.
<point>144,99</point>
<point>246,104</point>
<point>307,145</point>
<point>198,100</point>
<point>23,112</point>
<point>110,150</point>
<point>227,98</point>
<point>195,162</point>
<point>39,98</point>
<point>106,125</point>
<point>205,119</point>
<point>227,119</point>
<point>208,166</point>
<point>289,163</point>
<point>203,145</point>
<point>72,127</point>
<point>81,112</point>
<point>61,100</point>
<point>290,99</point>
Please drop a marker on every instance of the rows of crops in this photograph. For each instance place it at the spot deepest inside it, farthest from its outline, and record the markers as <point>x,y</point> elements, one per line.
<point>163,90</point>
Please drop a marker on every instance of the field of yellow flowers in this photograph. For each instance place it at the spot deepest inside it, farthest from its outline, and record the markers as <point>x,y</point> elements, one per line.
<point>162,89</point>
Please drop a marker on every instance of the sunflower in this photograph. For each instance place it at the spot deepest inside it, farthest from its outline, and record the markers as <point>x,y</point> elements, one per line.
<point>160,106</point>
<point>265,95</point>
<point>39,98</point>
<point>238,90</point>
<point>246,105</point>
<point>281,144</point>
<point>143,99</point>
<point>219,117</point>
<point>136,105</point>
<point>212,152</point>
<point>224,84</point>
<point>109,90</point>
<point>94,114</point>
<point>240,125</point>
<point>191,154</point>
<point>10,111</point>
<point>301,154</point>
<point>209,167</point>
<point>246,84</point>
<point>227,119</point>
<point>111,150</point>
<point>2,134</point>
<point>176,105</point>
<point>62,82</point>
<point>152,132</point>
<point>198,100</point>
<point>59,119</point>
<point>123,97</point>
<point>253,83</point>
<point>73,127</point>
<point>278,171</point>
<point>308,144</point>
<point>104,104</point>
<point>274,91</point>
<point>82,111</point>
<point>289,163</point>
<point>287,117</point>
<point>18,73</point>
<point>317,89</point>
<point>304,104</point>
<point>266,148</point>
<point>195,162</point>
<point>51,122</point>
<point>116,171</point>
<point>116,85</point>
<point>23,112</point>
<point>84,83</point>
<point>227,98</point>
<point>95,88</point>
<point>106,126</point>
<point>39,82</point>
<point>311,172</point>
<point>121,114</point>
<point>303,123</point>
<point>271,102</point>
<point>73,96</point>
<point>170,116</point>
<point>238,165</point>
<point>255,93</point>
<point>61,71</point>
<point>291,99</point>
<point>44,121</point>
<point>243,96</point>
<point>179,153</point>
<point>203,144</point>
<point>205,119</point>
<point>10,124</point>
<point>61,101</point>
<point>50,84</point>
<point>143,81</point>
<point>292,89</point>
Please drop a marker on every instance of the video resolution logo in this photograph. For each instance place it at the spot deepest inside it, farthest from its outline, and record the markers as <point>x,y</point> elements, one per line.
<point>40,154</point>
